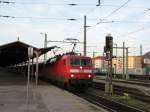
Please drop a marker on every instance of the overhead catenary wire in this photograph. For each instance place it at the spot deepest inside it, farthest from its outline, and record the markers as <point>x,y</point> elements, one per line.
<point>6,2</point>
<point>102,21</point>
<point>110,14</point>
<point>72,19</point>
<point>75,19</point>
<point>27,17</point>
<point>135,31</point>
<point>69,4</point>
<point>114,11</point>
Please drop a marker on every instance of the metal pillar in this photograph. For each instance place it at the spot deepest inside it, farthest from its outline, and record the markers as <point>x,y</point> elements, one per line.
<point>32,69</point>
<point>84,45</point>
<point>37,69</point>
<point>28,83</point>
<point>127,75</point>
<point>123,75</point>
<point>141,54</point>
<point>141,50</point>
<point>30,55</point>
<point>115,71</point>
<point>45,46</point>
<point>93,60</point>
<point>103,60</point>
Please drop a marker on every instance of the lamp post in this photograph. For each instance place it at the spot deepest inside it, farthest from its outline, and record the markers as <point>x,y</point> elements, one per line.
<point>115,69</point>
<point>45,44</point>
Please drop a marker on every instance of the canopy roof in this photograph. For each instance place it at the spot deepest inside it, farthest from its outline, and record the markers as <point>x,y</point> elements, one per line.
<point>17,52</point>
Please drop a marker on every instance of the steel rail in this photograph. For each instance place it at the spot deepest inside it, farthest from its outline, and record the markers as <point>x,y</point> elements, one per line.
<point>107,104</point>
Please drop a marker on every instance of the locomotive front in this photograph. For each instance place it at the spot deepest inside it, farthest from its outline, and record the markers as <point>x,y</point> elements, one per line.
<point>81,71</point>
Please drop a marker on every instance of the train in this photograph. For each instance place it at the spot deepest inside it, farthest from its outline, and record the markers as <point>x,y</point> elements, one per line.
<point>69,70</point>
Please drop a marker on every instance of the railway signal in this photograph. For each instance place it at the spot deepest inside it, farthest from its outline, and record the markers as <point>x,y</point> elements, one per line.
<point>109,43</point>
<point>108,49</point>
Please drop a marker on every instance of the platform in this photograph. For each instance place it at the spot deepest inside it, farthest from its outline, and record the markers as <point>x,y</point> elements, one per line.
<point>43,98</point>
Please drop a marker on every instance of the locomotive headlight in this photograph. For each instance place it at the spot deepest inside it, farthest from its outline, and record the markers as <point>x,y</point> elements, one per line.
<point>89,76</point>
<point>72,75</point>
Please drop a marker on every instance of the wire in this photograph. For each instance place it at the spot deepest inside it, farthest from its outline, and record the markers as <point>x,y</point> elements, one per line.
<point>74,19</point>
<point>126,21</point>
<point>138,30</point>
<point>114,11</point>
<point>136,7</point>
<point>69,4</point>
<point>6,2</point>
<point>70,19</point>
<point>44,3</point>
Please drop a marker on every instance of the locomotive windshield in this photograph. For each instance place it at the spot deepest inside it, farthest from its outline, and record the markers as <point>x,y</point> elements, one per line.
<point>85,62</point>
<point>75,61</point>
<point>80,62</point>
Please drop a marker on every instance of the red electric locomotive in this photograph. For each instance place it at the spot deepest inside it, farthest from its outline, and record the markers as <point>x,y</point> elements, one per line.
<point>71,70</point>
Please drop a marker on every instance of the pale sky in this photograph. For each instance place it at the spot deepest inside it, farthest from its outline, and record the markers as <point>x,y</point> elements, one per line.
<point>131,23</point>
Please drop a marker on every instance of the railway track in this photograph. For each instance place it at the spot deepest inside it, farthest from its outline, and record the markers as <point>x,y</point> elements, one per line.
<point>119,90</point>
<point>107,104</point>
<point>135,82</point>
<point>131,76</point>
<point>146,82</point>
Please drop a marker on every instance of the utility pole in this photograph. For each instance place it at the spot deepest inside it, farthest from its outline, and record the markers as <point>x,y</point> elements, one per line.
<point>93,59</point>
<point>103,60</point>
<point>141,50</point>
<point>141,55</point>
<point>18,38</point>
<point>127,52</point>
<point>45,46</point>
<point>123,75</point>
<point>84,45</point>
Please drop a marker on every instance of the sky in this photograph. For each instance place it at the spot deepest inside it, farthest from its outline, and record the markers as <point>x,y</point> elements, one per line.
<point>129,24</point>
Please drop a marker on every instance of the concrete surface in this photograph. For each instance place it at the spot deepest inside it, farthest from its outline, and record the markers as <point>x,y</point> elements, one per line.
<point>44,98</point>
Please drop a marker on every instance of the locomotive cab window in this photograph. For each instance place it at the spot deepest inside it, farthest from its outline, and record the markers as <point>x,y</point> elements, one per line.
<point>75,62</point>
<point>80,62</point>
<point>85,62</point>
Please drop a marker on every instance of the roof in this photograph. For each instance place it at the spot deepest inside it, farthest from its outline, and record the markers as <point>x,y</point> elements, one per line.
<point>99,58</point>
<point>146,55</point>
<point>17,52</point>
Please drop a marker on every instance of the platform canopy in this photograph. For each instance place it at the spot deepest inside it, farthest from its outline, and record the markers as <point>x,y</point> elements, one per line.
<point>17,52</point>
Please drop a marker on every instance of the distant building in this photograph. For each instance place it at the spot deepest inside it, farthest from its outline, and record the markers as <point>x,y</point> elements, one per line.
<point>146,63</point>
<point>134,64</point>
<point>98,62</point>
